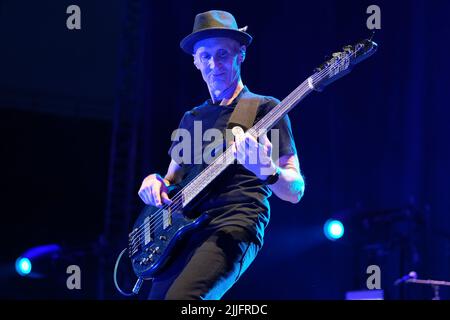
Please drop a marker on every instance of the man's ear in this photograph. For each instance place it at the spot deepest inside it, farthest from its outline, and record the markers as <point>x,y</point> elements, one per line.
<point>242,52</point>
<point>196,62</point>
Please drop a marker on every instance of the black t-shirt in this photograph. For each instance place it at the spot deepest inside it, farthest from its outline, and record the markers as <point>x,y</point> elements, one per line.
<point>237,196</point>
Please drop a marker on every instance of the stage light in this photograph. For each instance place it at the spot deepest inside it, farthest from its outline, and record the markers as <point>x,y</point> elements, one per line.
<point>36,262</point>
<point>333,229</point>
<point>23,266</point>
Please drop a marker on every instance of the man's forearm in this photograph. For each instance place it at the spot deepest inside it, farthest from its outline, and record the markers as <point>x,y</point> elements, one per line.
<point>174,173</point>
<point>290,185</point>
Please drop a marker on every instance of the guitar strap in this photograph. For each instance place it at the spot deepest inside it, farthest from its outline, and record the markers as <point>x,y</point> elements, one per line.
<point>244,114</point>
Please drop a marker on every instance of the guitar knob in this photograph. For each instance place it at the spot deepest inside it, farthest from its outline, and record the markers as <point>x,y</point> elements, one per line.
<point>157,251</point>
<point>163,238</point>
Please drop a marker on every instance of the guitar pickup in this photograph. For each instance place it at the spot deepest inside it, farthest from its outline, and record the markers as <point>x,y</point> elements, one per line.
<point>148,230</point>
<point>167,218</point>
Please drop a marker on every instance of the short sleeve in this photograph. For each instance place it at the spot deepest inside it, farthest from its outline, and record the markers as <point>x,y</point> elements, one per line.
<point>178,137</point>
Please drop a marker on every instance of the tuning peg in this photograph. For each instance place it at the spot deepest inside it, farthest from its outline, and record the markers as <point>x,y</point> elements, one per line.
<point>348,48</point>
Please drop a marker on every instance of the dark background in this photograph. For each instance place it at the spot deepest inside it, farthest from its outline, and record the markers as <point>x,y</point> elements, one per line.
<point>86,114</point>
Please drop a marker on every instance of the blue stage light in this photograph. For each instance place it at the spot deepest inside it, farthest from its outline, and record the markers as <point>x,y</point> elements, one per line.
<point>333,229</point>
<point>23,266</point>
<point>41,259</point>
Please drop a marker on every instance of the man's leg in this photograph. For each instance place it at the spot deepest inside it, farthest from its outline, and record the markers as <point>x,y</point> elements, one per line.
<point>210,269</point>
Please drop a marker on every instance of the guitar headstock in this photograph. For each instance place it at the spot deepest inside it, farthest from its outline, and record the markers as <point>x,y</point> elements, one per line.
<point>341,63</point>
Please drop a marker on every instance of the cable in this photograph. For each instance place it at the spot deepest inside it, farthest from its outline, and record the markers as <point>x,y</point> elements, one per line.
<point>140,280</point>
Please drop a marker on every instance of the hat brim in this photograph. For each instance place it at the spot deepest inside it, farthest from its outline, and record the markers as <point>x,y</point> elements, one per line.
<point>187,44</point>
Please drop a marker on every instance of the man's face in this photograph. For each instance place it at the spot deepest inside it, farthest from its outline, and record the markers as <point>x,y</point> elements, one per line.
<point>219,60</point>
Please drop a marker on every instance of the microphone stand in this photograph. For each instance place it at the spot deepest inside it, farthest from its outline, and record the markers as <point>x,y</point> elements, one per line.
<point>434,284</point>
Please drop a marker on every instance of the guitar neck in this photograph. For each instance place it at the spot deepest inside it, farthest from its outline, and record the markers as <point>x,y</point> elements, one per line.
<point>278,112</point>
<point>202,180</point>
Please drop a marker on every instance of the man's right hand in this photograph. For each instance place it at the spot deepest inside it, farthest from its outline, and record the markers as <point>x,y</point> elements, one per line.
<point>154,191</point>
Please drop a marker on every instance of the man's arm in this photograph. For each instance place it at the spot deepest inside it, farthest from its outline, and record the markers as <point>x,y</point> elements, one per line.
<point>290,186</point>
<point>175,173</point>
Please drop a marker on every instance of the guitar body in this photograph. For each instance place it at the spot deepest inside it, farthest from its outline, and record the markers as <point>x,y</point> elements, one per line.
<point>153,247</point>
<point>157,232</point>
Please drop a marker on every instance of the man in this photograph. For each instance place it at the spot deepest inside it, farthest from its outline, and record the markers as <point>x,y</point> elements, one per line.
<point>213,258</point>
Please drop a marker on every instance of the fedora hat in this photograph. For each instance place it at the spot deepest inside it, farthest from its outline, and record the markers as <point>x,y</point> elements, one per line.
<point>214,23</point>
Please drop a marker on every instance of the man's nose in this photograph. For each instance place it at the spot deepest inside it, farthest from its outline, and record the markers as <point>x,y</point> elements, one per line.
<point>212,62</point>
